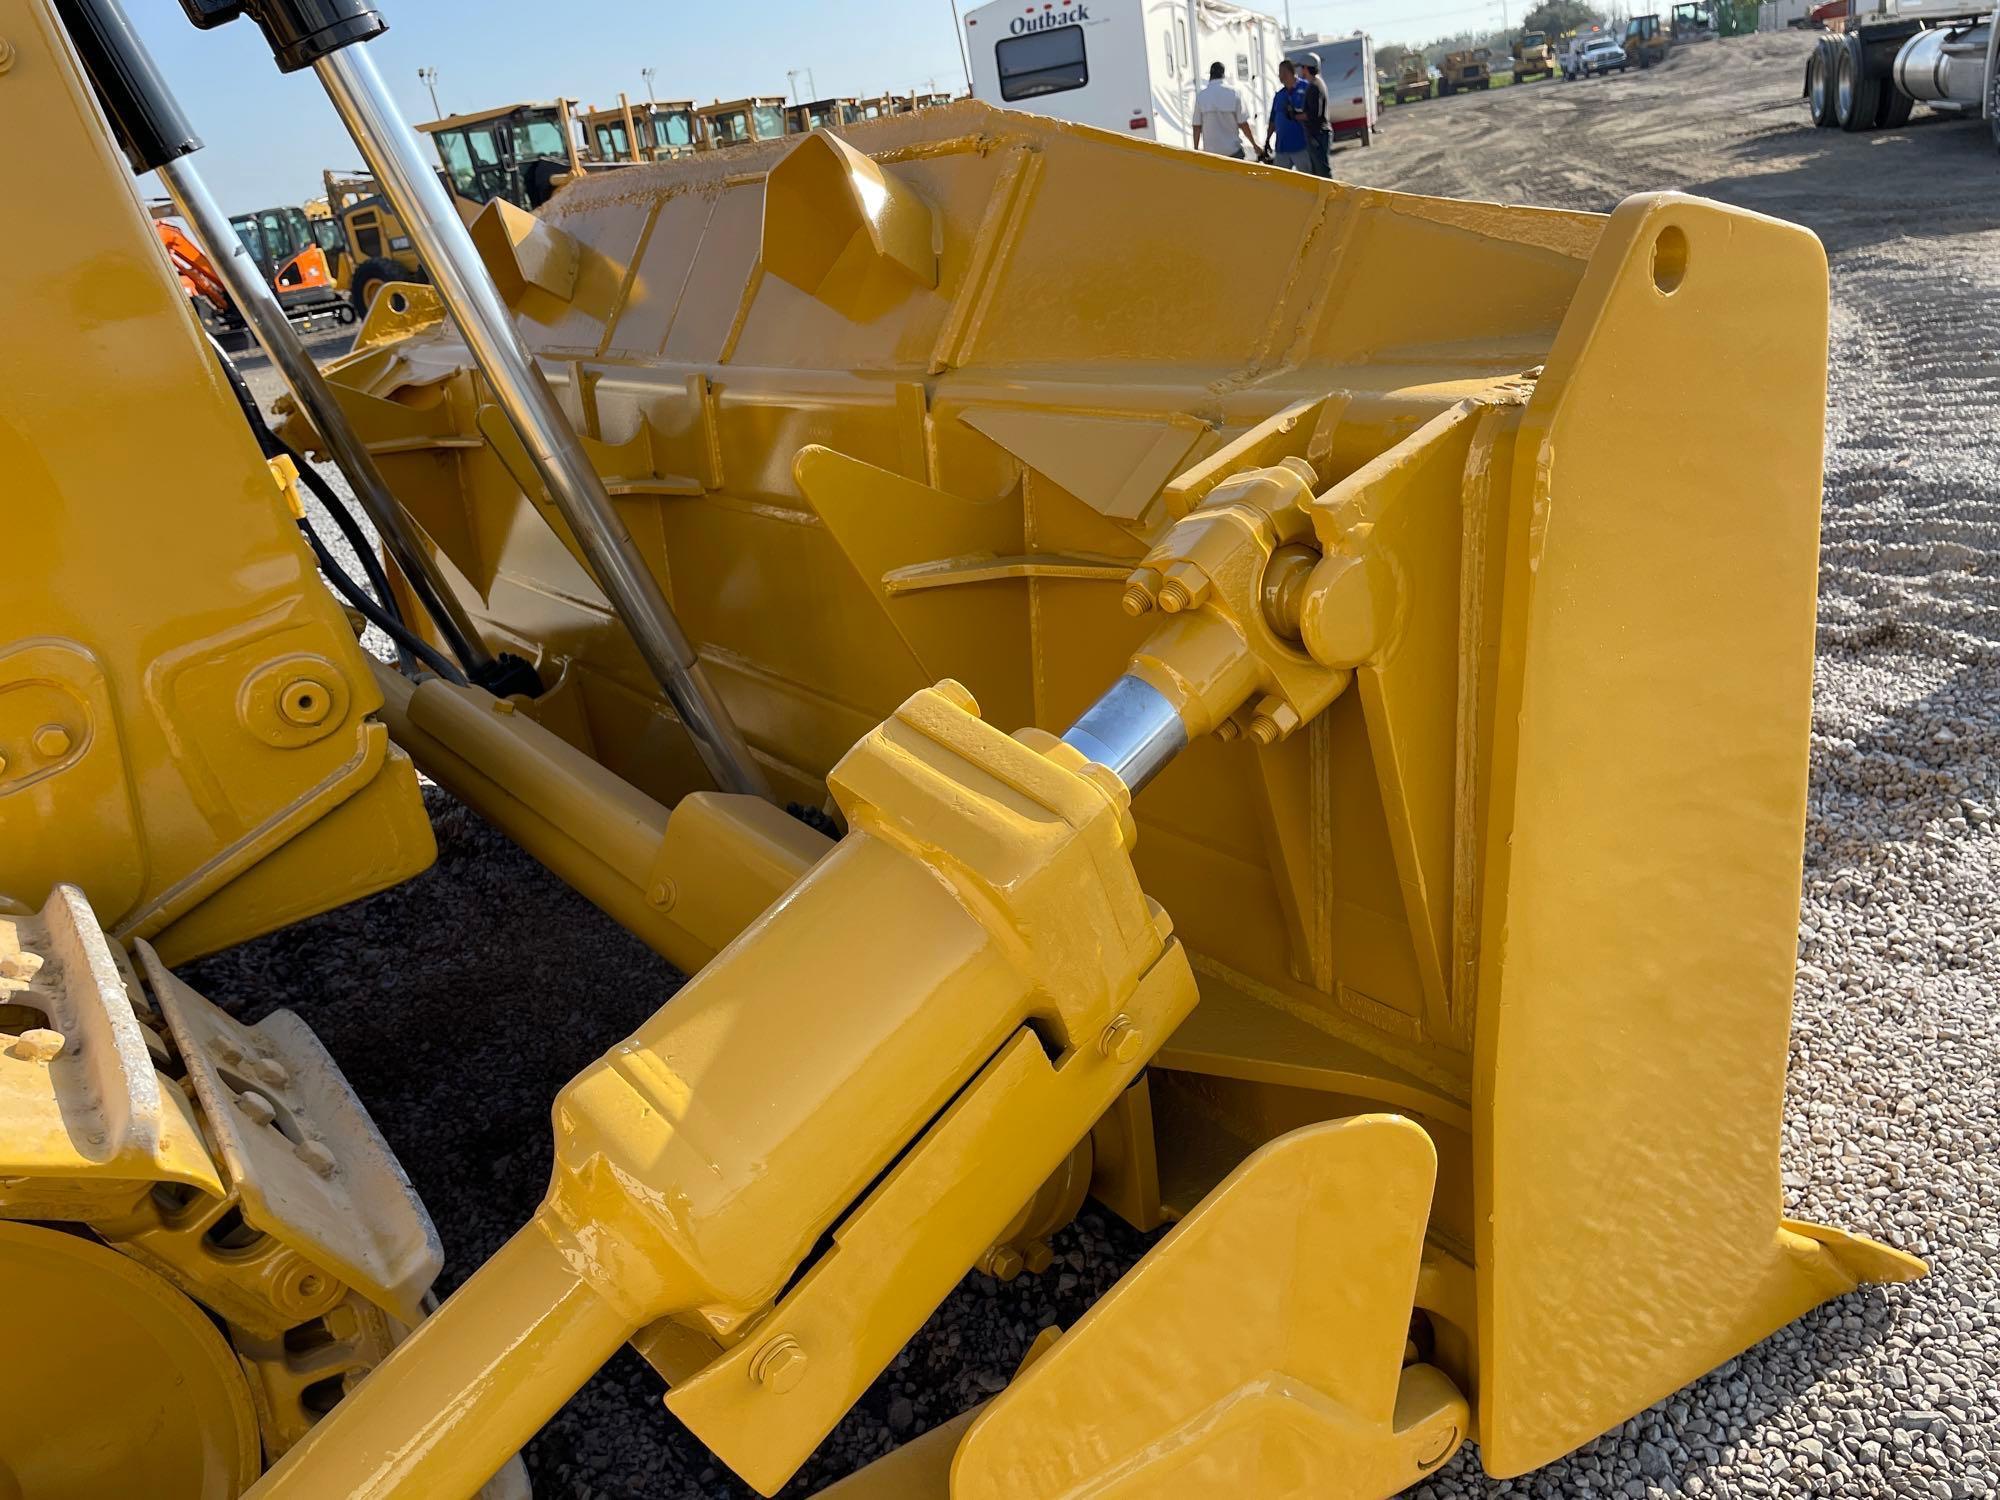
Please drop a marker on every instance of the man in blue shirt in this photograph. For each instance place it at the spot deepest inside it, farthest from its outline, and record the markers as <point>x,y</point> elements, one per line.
<point>1286,127</point>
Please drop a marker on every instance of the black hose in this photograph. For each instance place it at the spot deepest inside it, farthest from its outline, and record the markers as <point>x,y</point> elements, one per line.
<point>405,639</point>
<point>344,518</point>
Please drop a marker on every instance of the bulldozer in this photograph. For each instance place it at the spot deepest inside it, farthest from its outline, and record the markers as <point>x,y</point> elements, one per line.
<point>1461,72</point>
<point>1533,56</point>
<point>1413,82</point>
<point>1070,753</point>
<point>1647,42</point>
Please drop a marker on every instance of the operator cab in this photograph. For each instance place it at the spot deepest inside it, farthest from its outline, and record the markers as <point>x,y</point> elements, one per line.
<point>514,152</point>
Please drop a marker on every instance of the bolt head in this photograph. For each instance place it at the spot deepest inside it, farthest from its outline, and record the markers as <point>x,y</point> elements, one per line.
<point>51,742</point>
<point>1122,1041</point>
<point>270,1070</point>
<point>1037,1257</point>
<point>1004,1263</point>
<point>304,702</point>
<point>256,1107</point>
<point>315,1155</point>
<point>779,1365</point>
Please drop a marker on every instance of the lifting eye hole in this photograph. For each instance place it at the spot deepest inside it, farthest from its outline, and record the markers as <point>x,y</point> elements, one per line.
<point>1670,258</point>
<point>398,303</point>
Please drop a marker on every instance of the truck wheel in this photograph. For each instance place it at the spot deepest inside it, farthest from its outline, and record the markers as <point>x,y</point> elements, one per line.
<point>1855,94</point>
<point>1893,109</point>
<point>369,278</point>
<point>1819,84</point>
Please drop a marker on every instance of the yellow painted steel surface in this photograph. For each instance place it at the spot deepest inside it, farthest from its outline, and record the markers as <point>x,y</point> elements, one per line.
<point>116,1384</point>
<point>186,726</point>
<point>1506,837</point>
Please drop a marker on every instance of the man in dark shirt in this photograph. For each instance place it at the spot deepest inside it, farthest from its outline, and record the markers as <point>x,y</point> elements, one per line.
<point>1319,134</point>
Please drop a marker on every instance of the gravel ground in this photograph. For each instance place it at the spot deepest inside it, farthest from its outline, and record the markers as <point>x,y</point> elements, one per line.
<point>1893,1109</point>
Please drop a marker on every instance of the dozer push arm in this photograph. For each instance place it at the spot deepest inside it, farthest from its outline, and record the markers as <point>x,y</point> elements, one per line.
<point>901,1050</point>
<point>974,969</point>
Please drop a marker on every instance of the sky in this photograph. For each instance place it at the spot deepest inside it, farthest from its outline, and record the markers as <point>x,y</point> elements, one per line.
<point>269,137</point>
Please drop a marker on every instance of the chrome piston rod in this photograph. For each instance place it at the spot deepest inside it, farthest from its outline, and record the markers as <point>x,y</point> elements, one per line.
<point>266,318</point>
<point>487,325</point>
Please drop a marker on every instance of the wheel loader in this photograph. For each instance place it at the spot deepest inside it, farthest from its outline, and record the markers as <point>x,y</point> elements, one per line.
<point>1276,769</point>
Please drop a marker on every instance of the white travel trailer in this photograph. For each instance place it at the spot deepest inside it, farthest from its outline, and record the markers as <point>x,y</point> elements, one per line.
<point>1126,65</point>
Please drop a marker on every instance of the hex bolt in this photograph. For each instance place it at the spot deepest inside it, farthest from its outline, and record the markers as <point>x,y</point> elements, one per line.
<point>36,1045</point>
<point>304,702</point>
<point>504,706</point>
<point>1263,730</point>
<point>259,1109</point>
<point>51,742</point>
<point>316,1156</point>
<point>270,1070</point>
<point>1228,730</point>
<point>354,1377</point>
<point>1140,589</point>
<point>3,765</point>
<point>661,895</point>
<point>1184,587</point>
<point>1037,1257</point>
<point>1002,1262</point>
<point>1122,1041</point>
<point>779,1365</point>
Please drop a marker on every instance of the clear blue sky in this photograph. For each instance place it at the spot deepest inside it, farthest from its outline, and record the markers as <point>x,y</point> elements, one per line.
<point>269,137</point>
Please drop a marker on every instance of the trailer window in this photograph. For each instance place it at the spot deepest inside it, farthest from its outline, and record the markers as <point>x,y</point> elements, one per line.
<point>1043,62</point>
<point>1180,42</point>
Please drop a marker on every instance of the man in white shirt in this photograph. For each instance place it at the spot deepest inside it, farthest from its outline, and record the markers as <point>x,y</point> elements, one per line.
<point>1218,115</point>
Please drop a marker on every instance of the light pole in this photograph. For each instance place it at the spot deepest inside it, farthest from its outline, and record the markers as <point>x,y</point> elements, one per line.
<point>647,74</point>
<point>958,30</point>
<point>811,87</point>
<point>430,78</point>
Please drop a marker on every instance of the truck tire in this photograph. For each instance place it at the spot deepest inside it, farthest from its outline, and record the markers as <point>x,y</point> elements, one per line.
<point>1893,108</point>
<point>369,278</point>
<point>1993,105</point>
<point>1819,84</point>
<point>1855,94</point>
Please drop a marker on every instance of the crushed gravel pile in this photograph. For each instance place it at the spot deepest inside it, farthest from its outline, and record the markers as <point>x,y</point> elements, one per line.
<point>459,1003</point>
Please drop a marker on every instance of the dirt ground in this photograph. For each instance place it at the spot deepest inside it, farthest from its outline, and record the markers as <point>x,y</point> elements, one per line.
<point>1892,1123</point>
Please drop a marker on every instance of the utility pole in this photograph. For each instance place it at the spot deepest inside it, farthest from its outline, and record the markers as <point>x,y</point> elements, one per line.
<point>811,86</point>
<point>647,74</point>
<point>958,30</point>
<point>430,78</point>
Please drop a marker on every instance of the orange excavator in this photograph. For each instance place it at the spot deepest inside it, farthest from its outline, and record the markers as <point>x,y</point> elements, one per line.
<point>303,280</point>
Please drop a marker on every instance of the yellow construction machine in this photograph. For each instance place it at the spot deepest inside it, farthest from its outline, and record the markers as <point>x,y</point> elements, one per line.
<point>1288,775</point>
<point>1461,72</point>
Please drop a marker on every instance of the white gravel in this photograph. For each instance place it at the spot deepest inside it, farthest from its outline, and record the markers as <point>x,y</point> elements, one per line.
<point>1893,1107</point>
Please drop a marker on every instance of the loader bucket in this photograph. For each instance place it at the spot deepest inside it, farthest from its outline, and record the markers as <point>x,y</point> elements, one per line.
<point>916,404</point>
